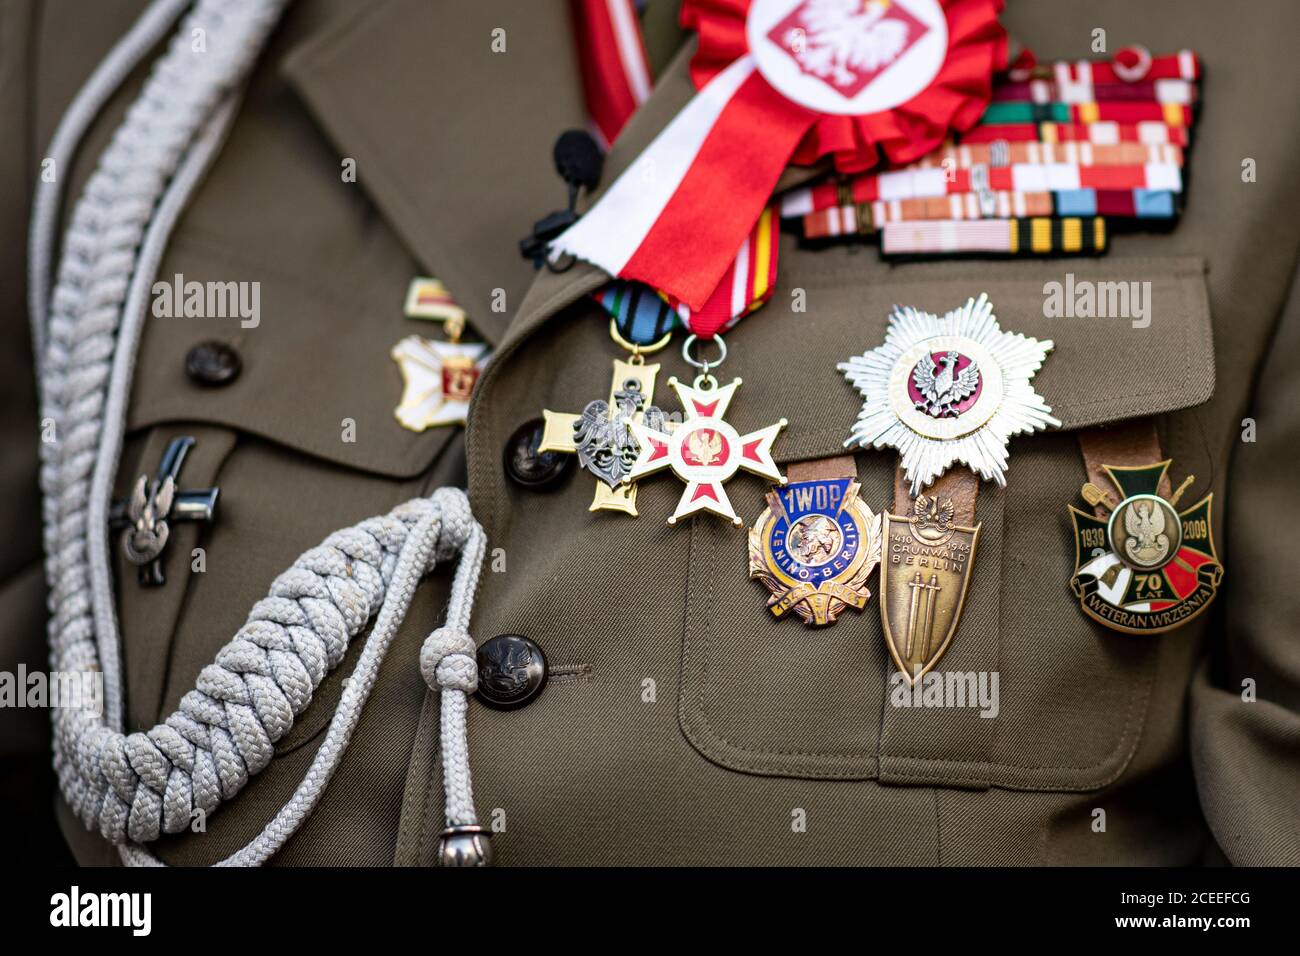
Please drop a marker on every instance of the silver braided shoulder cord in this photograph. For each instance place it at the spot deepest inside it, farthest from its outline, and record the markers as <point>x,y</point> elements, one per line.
<point>226,728</point>
<point>138,786</point>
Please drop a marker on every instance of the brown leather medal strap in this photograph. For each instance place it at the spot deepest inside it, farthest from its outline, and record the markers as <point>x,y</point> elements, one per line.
<point>958,483</point>
<point>822,469</point>
<point>1128,444</point>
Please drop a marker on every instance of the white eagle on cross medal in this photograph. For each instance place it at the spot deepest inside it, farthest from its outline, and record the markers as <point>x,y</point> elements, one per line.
<point>704,451</point>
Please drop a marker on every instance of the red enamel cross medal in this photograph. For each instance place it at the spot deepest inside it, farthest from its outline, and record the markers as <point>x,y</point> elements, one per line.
<point>704,451</point>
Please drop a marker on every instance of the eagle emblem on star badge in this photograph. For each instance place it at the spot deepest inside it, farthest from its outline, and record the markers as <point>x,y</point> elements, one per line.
<point>438,379</point>
<point>942,386</point>
<point>947,389</point>
<point>704,450</point>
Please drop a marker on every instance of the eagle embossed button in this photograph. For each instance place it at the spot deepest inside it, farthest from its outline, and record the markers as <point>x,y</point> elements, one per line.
<point>527,465</point>
<point>212,363</point>
<point>511,671</point>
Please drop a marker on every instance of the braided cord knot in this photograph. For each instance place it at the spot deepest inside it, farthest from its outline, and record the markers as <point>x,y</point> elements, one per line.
<point>447,660</point>
<point>141,785</point>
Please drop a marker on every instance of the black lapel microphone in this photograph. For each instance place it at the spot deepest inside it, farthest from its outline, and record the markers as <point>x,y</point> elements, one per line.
<point>578,161</point>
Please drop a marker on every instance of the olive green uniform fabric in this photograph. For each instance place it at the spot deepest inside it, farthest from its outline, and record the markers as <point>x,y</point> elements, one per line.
<point>692,726</point>
<point>25,777</point>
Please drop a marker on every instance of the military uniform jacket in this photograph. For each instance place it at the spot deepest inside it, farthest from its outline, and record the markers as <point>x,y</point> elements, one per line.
<point>682,723</point>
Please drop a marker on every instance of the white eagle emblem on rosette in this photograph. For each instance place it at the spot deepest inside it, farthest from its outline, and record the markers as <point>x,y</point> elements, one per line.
<point>948,389</point>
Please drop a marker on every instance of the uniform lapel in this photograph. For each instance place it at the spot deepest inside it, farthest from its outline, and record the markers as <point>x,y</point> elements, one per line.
<point>452,140</point>
<point>552,292</point>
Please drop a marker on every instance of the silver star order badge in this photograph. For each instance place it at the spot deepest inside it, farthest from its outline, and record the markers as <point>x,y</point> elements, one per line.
<point>948,389</point>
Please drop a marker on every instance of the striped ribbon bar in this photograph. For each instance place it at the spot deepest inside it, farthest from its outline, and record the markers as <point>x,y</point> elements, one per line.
<point>867,218</point>
<point>1011,237</point>
<point>1117,203</point>
<point>1053,177</point>
<point>1173,114</point>
<point>1183,65</point>
<point>1018,178</point>
<point>1152,132</point>
<point>1183,92</point>
<point>966,155</point>
<point>840,221</point>
<point>428,298</point>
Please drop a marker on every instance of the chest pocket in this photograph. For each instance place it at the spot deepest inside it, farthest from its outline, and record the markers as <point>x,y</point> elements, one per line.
<point>768,696</point>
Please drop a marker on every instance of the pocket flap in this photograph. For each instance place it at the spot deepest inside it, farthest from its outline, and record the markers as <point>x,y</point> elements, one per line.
<point>1143,347</point>
<point>1132,335</point>
<point>314,360</point>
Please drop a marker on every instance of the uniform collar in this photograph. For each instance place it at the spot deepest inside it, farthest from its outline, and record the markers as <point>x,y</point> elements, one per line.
<point>452,141</point>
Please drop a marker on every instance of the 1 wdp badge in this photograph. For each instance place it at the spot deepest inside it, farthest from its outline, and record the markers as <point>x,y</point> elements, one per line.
<point>814,547</point>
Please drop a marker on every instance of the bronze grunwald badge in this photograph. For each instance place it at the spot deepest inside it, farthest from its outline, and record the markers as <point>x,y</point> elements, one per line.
<point>924,574</point>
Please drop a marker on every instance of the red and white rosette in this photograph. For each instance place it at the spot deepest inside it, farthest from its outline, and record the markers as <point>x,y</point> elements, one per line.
<point>784,81</point>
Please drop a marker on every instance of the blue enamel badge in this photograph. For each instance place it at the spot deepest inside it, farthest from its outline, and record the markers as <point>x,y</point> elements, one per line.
<point>814,547</point>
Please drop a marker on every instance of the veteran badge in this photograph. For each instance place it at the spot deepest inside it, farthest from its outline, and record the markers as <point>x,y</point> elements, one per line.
<point>925,571</point>
<point>814,547</point>
<point>704,451</point>
<point>438,379</point>
<point>950,389</point>
<point>1142,566</point>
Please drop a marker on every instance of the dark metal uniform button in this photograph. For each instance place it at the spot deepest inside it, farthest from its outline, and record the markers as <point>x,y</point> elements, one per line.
<point>537,470</point>
<point>212,363</point>
<point>511,671</point>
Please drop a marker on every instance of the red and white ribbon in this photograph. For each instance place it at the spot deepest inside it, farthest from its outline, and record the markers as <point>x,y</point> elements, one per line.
<point>746,285</point>
<point>615,72</point>
<point>616,81</point>
<point>673,219</point>
<point>783,81</point>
